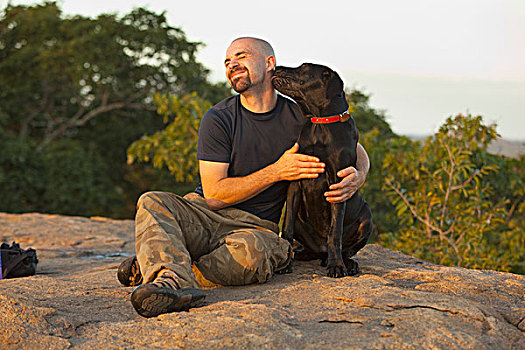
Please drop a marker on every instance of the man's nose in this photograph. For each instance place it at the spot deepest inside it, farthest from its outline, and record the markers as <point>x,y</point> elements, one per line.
<point>233,63</point>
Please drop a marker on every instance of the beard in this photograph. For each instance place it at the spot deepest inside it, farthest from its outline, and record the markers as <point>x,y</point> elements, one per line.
<point>240,84</point>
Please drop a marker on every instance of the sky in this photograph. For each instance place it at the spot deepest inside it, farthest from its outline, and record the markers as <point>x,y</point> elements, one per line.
<point>421,61</point>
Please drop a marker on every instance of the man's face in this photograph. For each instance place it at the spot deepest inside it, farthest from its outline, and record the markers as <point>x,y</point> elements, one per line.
<point>245,65</point>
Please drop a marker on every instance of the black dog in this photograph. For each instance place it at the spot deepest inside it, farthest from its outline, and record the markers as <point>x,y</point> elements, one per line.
<point>331,232</point>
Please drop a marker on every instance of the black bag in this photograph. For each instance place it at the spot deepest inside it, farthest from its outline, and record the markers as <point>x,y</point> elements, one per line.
<point>17,262</point>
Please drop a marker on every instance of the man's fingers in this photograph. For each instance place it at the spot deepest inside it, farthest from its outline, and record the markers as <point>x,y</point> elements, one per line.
<point>341,185</point>
<point>335,199</point>
<point>347,171</point>
<point>313,170</point>
<point>306,158</point>
<point>308,175</point>
<point>294,148</point>
<point>336,186</point>
<point>337,196</point>
<point>333,194</point>
<point>311,165</point>
<point>309,172</point>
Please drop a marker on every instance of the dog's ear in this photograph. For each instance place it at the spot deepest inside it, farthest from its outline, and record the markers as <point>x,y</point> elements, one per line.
<point>335,87</point>
<point>336,95</point>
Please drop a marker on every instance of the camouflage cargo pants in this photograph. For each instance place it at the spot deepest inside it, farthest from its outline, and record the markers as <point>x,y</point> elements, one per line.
<point>229,246</point>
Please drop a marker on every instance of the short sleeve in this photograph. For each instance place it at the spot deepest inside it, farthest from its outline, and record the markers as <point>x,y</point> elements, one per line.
<point>214,142</point>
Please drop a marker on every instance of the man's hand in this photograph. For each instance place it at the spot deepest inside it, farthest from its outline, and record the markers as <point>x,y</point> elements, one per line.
<point>353,179</point>
<point>345,189</point>
<point>222,191</point>
<point>294,166</point>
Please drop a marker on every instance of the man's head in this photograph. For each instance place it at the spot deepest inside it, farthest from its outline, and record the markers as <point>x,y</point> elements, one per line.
<point>249,63</point>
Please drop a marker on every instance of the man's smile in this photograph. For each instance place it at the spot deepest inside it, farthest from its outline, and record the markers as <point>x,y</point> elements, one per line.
<point>237,72</point>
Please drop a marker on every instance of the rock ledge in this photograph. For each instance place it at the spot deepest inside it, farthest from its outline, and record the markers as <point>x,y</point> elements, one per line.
<point>397,302</point>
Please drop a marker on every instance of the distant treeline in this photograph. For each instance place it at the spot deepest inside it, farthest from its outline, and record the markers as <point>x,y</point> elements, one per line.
<point>94,112</point>
<point>75,93</point>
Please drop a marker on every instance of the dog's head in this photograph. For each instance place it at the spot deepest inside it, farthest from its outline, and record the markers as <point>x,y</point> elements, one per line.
<point>317,89</point>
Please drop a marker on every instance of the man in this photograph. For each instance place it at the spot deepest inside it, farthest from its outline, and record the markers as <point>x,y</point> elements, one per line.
<point>247,154</point>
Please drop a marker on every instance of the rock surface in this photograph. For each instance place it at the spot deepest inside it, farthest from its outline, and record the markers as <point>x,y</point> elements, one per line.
<point>396,302</point>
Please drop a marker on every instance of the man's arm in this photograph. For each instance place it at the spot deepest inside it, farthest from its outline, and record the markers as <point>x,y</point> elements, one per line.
<point>353,178</point>
<point>222,191</point>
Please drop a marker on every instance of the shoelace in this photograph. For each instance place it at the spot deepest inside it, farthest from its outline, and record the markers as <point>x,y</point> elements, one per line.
<point>167,279</point>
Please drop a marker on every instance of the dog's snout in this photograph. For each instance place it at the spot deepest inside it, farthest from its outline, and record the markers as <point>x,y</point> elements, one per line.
<point>278,77</point>
<point>277,82</point>
<point>278,71</point>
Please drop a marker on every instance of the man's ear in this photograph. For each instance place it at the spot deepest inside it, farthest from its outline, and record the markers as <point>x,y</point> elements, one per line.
<point>270,63</point>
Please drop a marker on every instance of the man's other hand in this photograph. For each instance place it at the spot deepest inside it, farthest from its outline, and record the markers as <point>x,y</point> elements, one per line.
<point>344,190</point>
<point>294,166</point>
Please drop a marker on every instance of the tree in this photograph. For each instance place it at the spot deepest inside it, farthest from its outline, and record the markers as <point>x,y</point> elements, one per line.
<point>89,81</point>
<point>384,215</point>
<point>366,117</point>
<point>447,207</point>
<point>174,147</point>
<point>509,183</point>
<point>63,73</point>
<point>376,136</point>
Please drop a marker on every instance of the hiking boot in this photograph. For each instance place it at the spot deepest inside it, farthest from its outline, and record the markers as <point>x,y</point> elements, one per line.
<point>164,295</point>
<point>128,272</point>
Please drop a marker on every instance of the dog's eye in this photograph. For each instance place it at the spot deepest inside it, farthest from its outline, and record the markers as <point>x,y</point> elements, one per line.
<point>301,82</point>
<point>326,75</point>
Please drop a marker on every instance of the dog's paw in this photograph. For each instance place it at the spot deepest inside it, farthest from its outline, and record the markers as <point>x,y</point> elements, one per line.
<point>352,266</point>
<point>287,269</point>
<point>337,271</point>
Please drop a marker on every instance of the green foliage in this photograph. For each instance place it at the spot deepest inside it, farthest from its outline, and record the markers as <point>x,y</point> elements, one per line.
<point>509,183</point>
<point>375,135</point>
<point>65,178</point>
<point>61,74</point>
<point>76,180</point>
<point>175,146</point>
<point>448,210</point>
<point>384,216</point>
<point>366,117</point>
<point>87,83</point>
<point>20,175</point>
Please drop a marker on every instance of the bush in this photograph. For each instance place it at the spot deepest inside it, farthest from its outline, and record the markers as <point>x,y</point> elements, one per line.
<point>446,202</point>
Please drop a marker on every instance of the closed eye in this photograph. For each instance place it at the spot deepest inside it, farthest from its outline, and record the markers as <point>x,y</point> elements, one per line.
<point>238,56</point>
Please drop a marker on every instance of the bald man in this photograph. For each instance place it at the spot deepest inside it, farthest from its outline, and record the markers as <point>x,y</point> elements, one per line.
<point>228,227</point>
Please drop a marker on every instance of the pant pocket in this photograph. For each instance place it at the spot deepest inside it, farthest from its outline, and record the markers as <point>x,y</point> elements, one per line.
<point>247,256</point>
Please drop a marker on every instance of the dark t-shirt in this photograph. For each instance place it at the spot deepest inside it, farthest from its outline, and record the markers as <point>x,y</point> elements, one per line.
<point>229,133</point>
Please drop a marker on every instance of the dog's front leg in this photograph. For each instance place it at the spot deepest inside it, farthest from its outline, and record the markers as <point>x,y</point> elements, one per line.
<point>292,206</point>
<point>335,265</point>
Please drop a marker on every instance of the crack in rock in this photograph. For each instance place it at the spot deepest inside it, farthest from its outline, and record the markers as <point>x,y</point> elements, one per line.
<point>341,321</point>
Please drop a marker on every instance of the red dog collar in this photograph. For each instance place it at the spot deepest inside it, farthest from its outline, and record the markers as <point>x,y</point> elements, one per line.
<point>343,117</point>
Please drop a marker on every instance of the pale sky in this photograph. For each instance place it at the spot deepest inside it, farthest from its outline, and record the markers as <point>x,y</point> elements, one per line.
<point>421,60</point>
